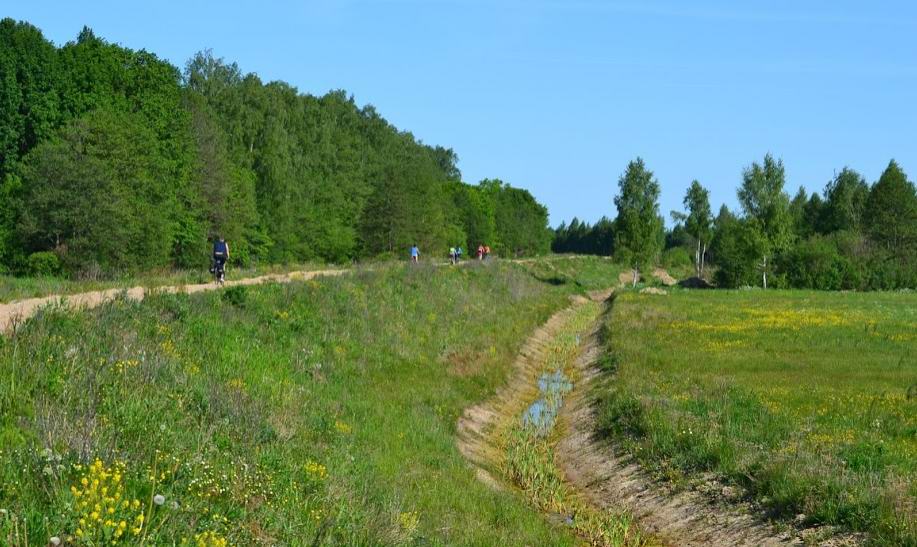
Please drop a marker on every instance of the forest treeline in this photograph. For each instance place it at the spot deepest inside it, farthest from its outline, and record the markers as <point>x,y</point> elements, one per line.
<point>853,235</point>
<point>114,160</point>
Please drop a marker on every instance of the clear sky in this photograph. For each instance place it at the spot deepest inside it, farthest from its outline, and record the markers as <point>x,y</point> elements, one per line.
<point>558,95</point>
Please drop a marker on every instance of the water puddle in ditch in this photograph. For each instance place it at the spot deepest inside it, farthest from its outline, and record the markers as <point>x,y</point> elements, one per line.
<point>542,414</point>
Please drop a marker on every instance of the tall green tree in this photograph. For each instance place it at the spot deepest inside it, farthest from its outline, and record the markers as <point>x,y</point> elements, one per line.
<point>29,99</point>
<point>639,231</point>
<point>98,194</point>
<point>766,207</point>
<point>845,201</point>
<point>475,213</point>
<point>407,206</point>
<point>521,222</point>
<point>227,190</point>
<point>698,222</point>
<point>891,213</point>
<point>736,246</point>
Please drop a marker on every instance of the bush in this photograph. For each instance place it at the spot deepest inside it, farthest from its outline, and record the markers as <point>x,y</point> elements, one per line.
<point>737,250</point>
<point>816,263</point>
<point>677,258</point>
<point>236,296</point>
<point>43,264</point>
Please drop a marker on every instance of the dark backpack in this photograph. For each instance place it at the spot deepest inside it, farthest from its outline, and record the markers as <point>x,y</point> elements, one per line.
<point>219,248</point>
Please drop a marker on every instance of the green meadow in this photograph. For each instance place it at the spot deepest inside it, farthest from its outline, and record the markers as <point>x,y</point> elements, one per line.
<point>315,413</point>
<point>808,400</point>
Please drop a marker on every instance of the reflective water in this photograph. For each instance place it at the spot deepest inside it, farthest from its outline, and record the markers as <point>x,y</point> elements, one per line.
<point>542,414</point>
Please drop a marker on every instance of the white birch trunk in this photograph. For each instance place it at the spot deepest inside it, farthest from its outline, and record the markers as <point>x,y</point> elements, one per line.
<point>703,255</point>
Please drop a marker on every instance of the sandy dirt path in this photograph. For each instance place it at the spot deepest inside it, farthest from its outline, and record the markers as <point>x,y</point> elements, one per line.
<point>14,313</point>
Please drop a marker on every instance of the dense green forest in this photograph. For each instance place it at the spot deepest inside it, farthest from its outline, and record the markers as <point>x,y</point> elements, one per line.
<point>853,235</point>
<point>113,160</point>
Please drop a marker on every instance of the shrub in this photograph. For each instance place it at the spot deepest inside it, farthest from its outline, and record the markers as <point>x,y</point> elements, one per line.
<point>677,257</point>
<point>236,296</point>
<point>816,263</point>
<point>43,264</point>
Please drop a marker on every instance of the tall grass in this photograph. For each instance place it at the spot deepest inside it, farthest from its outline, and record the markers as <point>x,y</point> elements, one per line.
<point>316,413</point>
<point>805,399</point>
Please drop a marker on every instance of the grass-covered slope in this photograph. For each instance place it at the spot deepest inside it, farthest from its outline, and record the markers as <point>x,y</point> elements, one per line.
<point>309,413</point>
<point>806,399</point>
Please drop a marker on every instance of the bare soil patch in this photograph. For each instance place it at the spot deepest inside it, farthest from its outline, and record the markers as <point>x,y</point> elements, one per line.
<point>663,277</point>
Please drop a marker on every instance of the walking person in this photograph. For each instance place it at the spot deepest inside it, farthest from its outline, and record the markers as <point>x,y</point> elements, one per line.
<point>481,252</point>
<point>486,251</point>
<point>415,253</point>
<point>452,256</point>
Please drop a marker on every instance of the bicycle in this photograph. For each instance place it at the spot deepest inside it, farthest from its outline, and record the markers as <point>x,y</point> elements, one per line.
<point>218,269</point>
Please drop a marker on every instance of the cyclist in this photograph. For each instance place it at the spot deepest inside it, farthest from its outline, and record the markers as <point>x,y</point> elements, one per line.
<point>220,256</point>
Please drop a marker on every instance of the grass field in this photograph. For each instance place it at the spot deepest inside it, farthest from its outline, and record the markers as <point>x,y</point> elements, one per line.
<point>807,400</point>
<point>299,414</point>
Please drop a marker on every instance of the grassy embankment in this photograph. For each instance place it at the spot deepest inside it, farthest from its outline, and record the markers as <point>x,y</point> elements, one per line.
<point>805,399</point>
<point>307,413</point>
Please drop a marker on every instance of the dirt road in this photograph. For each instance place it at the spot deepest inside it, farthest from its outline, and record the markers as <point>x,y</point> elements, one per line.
<point>13,313</point>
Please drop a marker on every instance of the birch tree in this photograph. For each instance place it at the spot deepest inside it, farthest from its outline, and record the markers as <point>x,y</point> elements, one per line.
<point>638,226</point>
<point>766,208</point>
<point>698,222</point>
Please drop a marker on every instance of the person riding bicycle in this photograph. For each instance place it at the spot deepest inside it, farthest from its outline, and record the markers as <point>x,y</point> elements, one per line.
<point>220,256</point>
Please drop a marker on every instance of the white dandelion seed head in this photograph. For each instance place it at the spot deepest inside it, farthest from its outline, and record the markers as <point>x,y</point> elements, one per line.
<point>54,540</point>
<point>159,499</point>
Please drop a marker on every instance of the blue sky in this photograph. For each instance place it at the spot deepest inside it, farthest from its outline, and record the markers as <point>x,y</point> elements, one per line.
<point>557,96</point>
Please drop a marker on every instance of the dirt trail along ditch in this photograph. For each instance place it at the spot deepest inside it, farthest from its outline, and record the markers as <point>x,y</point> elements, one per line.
<point>18,311</point>
<point>536,435</point>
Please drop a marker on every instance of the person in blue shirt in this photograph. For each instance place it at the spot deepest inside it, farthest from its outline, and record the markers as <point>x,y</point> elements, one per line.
<point>220,256</point>
<point>415,253</point>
